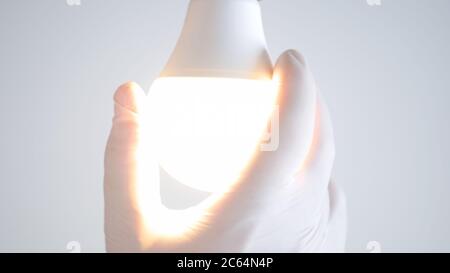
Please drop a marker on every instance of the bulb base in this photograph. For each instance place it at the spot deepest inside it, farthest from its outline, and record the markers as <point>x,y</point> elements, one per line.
<point>221,38</point>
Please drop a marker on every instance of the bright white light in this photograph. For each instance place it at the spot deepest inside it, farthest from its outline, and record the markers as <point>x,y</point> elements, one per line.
<point>206,130</point>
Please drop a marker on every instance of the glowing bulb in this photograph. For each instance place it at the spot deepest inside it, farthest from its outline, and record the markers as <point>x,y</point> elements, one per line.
<point>207,129</point>
<point>214,98</point>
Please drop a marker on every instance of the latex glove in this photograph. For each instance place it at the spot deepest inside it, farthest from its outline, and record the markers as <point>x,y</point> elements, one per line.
<point>284,201</point>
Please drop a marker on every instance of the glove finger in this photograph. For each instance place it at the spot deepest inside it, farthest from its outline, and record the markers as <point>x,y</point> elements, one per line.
<point>131,97</point>
<point>121,209</point>
<point>292,128</point>
<point>307,192</point>
<point>238,211</point>
<point>314,176</point>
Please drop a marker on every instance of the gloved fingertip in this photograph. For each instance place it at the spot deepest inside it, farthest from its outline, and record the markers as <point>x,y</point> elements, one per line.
<point>130,96</point>
<point>290,67</point>
<point>297,55</point>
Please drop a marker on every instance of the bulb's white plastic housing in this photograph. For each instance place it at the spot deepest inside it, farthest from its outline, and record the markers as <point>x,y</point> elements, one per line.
<point>221,38</point>
<point>214,98</point>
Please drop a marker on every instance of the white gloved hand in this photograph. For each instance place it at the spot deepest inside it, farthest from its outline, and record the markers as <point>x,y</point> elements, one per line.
<point>284,201</point>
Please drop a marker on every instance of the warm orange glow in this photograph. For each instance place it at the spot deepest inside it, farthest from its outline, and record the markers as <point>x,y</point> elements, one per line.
<point>205,130</point>
<point>202,131</point>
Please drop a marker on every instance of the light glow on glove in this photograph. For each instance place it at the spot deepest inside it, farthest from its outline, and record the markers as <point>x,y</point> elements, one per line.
<point>205,130</point>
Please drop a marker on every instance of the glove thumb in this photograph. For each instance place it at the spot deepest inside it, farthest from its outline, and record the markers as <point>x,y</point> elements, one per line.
<point>121,208</point>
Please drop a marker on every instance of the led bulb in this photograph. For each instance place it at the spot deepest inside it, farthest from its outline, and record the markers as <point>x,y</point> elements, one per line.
<point>213,101</point>
<point>207,129</point>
